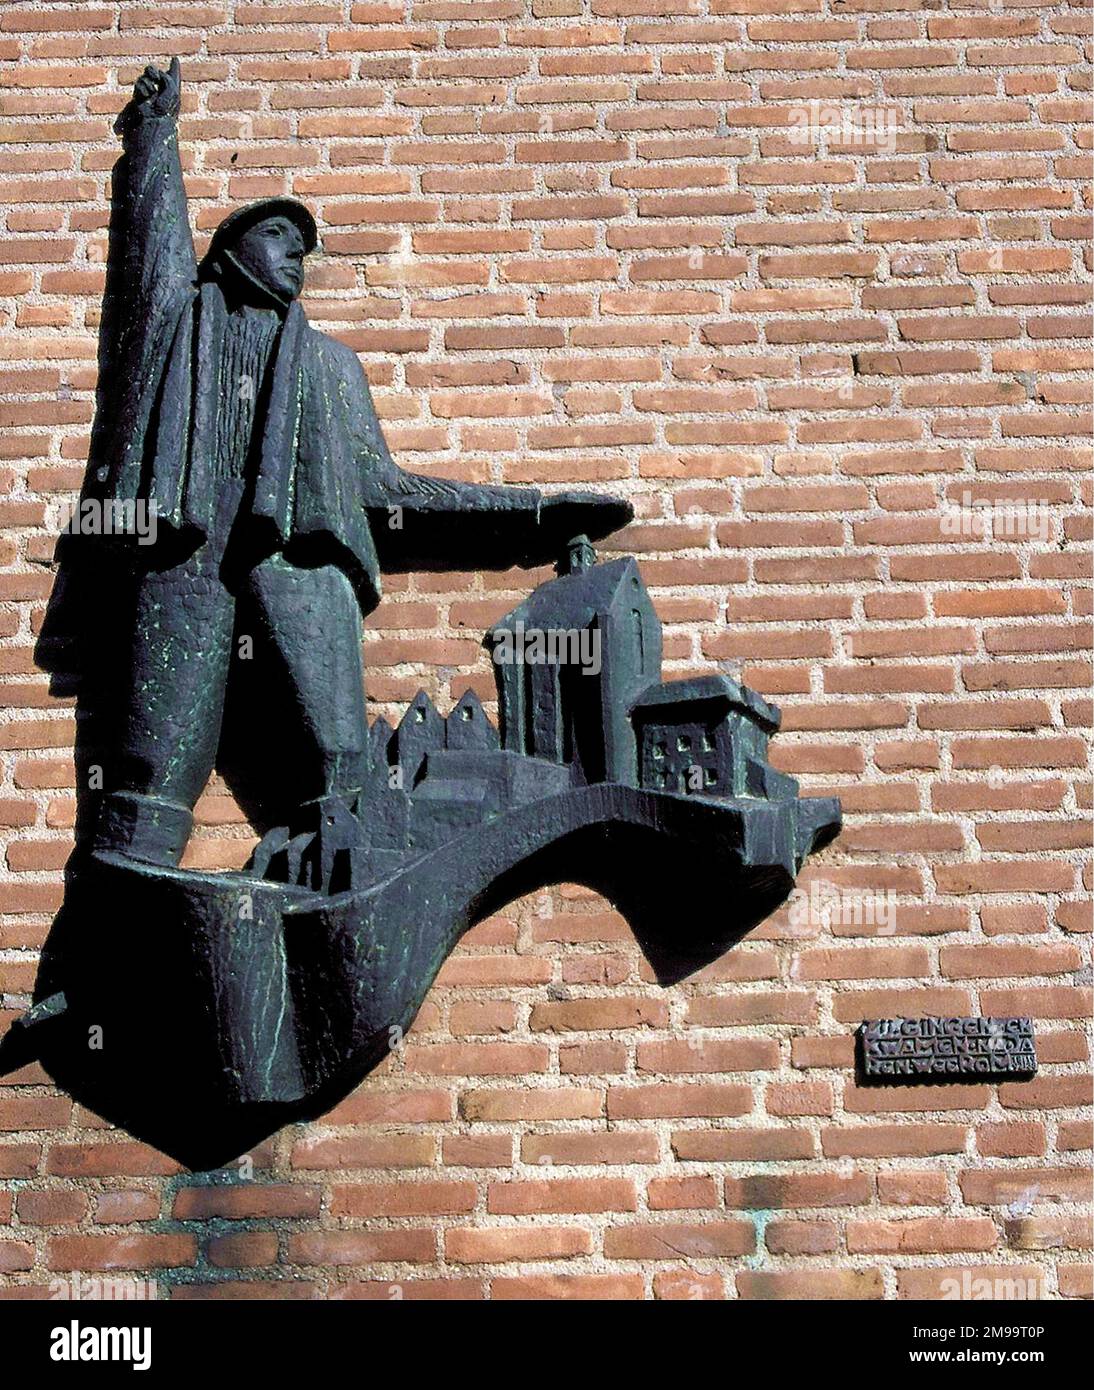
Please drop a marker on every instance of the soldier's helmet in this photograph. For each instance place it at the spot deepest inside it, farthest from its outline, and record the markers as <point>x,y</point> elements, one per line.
<point>243,219</point>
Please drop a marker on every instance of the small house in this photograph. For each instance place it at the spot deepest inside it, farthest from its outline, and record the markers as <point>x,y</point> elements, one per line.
<point>707,736</point>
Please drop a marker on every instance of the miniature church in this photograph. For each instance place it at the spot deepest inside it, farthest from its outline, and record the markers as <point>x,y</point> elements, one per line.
<point>576,711</point>
<point>616,720</point>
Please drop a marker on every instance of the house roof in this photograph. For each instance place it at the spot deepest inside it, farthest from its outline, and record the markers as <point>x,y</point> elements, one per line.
<point>664,701</point>
<point>574,600</point>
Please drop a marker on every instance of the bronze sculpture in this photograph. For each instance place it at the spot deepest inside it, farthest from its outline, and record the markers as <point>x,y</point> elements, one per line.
<point>232,1003</point>
<point>255,440</point>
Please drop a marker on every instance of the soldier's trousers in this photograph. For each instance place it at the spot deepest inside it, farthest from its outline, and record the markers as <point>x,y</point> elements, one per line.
<point>252,668</point>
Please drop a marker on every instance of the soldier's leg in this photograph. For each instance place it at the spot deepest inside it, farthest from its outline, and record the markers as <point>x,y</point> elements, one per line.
<point>172,698</point>
<point>307,621</point>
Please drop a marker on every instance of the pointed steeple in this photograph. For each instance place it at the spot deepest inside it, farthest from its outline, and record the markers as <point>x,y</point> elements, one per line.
<point>468,727</point>
<point>420,731</point>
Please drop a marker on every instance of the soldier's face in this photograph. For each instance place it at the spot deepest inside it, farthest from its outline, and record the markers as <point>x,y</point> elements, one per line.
<point>272,252</point>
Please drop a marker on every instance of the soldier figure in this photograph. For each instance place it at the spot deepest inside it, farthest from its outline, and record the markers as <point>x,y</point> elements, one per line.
<point>276,503</point>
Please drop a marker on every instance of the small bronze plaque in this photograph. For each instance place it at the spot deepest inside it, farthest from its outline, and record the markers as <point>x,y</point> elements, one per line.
<point>946,1049</point>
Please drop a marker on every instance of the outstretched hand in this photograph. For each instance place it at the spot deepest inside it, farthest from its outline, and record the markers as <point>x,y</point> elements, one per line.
<point>565,515</point>
<point>155,93</point>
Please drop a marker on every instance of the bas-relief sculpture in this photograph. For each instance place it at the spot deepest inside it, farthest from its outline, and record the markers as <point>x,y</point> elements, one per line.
<point>201,1011</point>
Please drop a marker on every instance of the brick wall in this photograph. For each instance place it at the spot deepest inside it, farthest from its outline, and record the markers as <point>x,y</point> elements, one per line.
<point>805,279</point>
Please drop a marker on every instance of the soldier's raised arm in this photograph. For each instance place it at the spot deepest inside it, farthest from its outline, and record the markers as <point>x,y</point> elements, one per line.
<point>157,246</point>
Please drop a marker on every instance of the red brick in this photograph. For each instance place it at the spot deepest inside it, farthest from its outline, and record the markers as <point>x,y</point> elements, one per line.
<point>53,1208</point>
<point>920,1235</point>
<point>520,1197</point>
<point>361,1247</point>
<point>565,1287</point>
<point>677,1284</point>
<point>127,1252</point>
<point>244,1201</point>
<point>825,1284</point>
<point>670,1241</point>
<point>498,1245</point>
<point>768,1191</point>
<point>728,1145</point>
<point>996,1186</point>
<point>952,1281</point>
